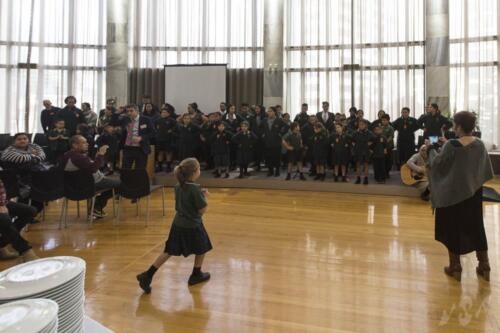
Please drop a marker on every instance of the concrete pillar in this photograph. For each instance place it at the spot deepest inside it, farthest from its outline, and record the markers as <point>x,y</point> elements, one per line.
<point>117,51</point>
<point>273,52</point>
<point>437,54</point>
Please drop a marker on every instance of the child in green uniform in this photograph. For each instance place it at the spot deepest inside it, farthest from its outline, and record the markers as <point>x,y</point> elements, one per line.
<point>292,142</point>
<point>187,235</point>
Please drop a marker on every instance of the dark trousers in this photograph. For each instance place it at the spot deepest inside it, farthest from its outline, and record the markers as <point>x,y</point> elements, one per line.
<point>133,155</point>
<point>388,162</point>
<point>10,235</point>
<point>22,213</point>
<point>273,156</point>
<point>258,154</point>
<point>105,184</point>
<point>379,168</point>
<point>406,149</point>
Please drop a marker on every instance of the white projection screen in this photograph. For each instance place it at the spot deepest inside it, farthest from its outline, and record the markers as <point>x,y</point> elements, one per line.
<point>203,84</point>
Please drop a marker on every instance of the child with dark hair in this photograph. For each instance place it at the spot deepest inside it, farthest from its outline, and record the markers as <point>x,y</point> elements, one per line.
<point>341,145</point>
<point>292,141</point>
<point>245,142</point>
<point>361,140</point>
<point>388,133</point>
<point>221,149</point>
<point>188,137</point>
<point>166,129</point>
<point>378,148</point>
<point>320,150</point>
<point>187,234</point>
<point>58,140</point>
<point>109,138</point>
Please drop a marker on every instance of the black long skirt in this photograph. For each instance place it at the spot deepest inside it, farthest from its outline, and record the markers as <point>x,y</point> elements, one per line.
<point>461,227</point>
<point>187,241</point>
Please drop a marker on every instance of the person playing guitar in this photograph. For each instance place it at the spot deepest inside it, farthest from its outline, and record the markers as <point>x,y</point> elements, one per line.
<point>413,173</point>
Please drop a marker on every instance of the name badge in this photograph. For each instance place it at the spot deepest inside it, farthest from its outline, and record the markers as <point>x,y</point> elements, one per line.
<point>144,126</point>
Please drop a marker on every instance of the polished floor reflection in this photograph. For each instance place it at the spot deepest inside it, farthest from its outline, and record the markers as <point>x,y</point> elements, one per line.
<point>284,262</point>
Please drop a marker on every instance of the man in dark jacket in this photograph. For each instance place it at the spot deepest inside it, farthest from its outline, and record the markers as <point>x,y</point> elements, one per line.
<point>434,123</point>
<point>272,131</point>
<point>137,132</point>
<point>48,116</point>
<point>326,118</point>
<point>71,115</point>
<point>406,127</point>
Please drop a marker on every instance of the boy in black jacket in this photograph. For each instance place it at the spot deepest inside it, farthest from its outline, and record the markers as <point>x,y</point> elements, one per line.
<point>221,148</point>
<point>378,148</point>
<point>245,142</point>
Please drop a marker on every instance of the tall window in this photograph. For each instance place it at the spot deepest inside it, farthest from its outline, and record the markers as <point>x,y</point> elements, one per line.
<point>388,39</point>
<point>474,62</point>
<point>68,48</point>
<point>167,32</point>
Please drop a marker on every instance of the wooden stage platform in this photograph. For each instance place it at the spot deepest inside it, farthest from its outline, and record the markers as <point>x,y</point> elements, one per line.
<point>258,180</point>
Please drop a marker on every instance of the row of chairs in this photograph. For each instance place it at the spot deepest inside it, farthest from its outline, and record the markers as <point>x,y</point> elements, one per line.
<point>55,184</point>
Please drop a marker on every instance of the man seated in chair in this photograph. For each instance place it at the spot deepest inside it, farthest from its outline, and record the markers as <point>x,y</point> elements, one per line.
<point>77,159</point>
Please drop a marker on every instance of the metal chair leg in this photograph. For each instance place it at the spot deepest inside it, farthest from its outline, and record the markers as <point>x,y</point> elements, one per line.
<point>147,209</point>
<point>91,214</point>
<point>62,213</point>
<point>113,201</point>
<point>66,214</point>
<point>163,200</point>
<point>119,209</point>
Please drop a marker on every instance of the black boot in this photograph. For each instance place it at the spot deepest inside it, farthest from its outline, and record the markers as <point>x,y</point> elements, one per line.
<point>318,176</point>
<point>358,180</point>
<point>336,178</point>
<point>455,268</point>
<point>241,174</point>
<point>365,181</point>
<point>301,176</point>
<point>288,176</point>
<point>245,172</point>
<point>483,268</point>
<point>217,173</point>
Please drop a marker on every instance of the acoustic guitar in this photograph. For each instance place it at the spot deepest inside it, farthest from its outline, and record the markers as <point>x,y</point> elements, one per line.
<point>410,177</point>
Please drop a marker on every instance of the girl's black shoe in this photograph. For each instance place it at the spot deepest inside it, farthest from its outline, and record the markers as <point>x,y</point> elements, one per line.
<point>365,181</point>
<point>288,176</point>
<point>358,180</point>
<point>318,176</point>
<point>144,282</point>
<point>335,178</point>
<point>198,278</point>
<point>302,176</point>
<point>217,174</point>
<point>226,175</point>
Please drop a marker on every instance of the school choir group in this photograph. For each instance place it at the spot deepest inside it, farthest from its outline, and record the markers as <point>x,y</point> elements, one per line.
<point>254,136</point>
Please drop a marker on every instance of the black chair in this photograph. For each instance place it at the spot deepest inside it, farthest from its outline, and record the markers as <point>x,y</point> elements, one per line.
<point>47,186</point>
<point>135,185</point>
<point>78,185</point>
<point>10,182</point>
<point>5,141</point>
<point>41,140</point>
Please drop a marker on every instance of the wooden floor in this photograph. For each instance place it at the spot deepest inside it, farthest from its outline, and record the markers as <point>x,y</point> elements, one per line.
<point>284,262</point>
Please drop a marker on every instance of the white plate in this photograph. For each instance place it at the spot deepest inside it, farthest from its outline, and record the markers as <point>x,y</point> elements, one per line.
<point>34,277</point>
<point>31,315</point>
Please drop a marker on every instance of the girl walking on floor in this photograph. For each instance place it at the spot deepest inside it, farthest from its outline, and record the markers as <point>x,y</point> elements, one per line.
<point>187,235</point>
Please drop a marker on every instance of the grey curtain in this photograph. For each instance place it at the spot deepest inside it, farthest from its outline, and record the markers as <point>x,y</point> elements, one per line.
<point>242,85</point>
<point>245,85</point>
<point>147,81</point>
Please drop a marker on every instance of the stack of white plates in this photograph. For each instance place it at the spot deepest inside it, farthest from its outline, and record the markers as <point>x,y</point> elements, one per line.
<point>60,279</point>
<point>29,316</point>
